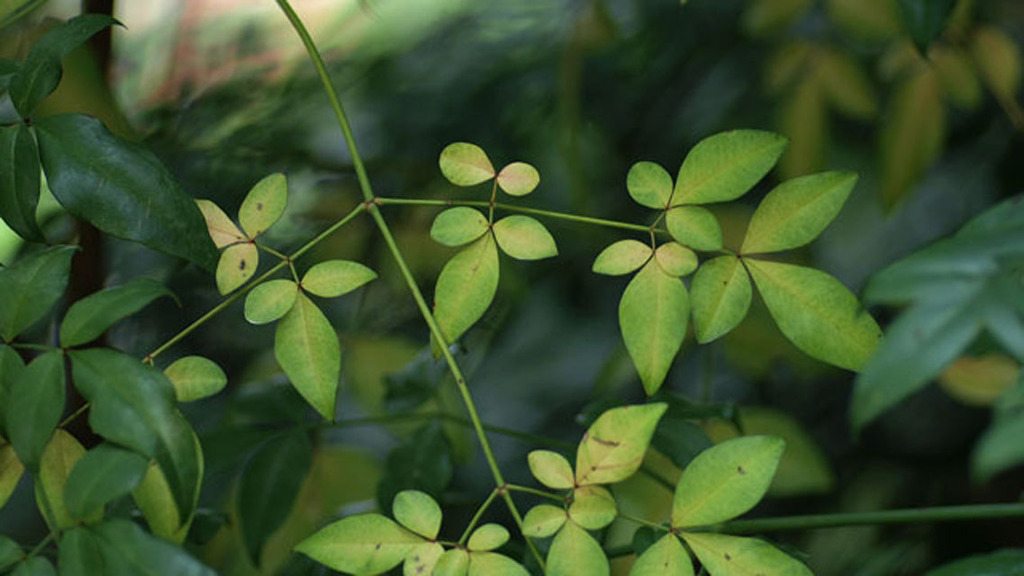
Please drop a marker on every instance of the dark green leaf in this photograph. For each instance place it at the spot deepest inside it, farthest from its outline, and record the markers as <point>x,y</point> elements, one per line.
<point>11,367</point>
<point>268,487</point>
<point>132,404</point>
<point>1007,562</point>
<point>414,384</point>
<point>130,550</point>
<point>679,439</point>
<point>121,188</point>
<point>8,68</point>
<point>106,472</point>
<point>31,286</point>
<point>80,554</point>
<point>10,552</point>
<point>19,183</point>
<point>35,403</point>
<point>999,448</point>
<point>36,566</point>
<point>92,315</point>
<point>643,538</point>
<point>925,19</point>
<point>421,462</point>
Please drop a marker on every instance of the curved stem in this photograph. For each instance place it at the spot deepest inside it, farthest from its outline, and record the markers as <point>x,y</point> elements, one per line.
<point>476,517</point>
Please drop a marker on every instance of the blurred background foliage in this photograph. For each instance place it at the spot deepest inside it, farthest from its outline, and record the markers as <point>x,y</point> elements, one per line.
<point>922,99</point>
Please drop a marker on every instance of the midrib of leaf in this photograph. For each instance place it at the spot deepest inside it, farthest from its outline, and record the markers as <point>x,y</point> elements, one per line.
<point>306,333</point>
<point>795,214</point>
<point>734,560</point>
<point>716,308</point>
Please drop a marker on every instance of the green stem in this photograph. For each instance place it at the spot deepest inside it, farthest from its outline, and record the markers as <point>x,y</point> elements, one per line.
<point>476,517</point>
<point>641,521</point>
<point>42,544</point>
<point>536,492</point>
<point>396,253</point>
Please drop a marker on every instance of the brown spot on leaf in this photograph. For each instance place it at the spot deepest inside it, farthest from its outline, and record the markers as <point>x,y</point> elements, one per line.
<point>241,264</point>
<point>259,205</point>
<point>377,547</point>
<point>605,442</point>
<point>727,557</point>
<point>740,470</point>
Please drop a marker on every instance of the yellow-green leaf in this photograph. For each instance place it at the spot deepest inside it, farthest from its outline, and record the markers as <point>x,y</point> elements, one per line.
<point>978,381</point>
<point>222,230</point>
<point>551,469</point>
<point>466,287</point>
<point>695,227</point>
<point>867,20</point>
<point>263,205</point>
<point>725,480</point>
<point>721,295</point>
<point>458,226</point>
<point>664,557</point>
<point>363,544</point>
<point>236,265</point>
<point>649,185</point>
<point>675,259</point>
<point>418,512</point>
<point>195,377</point>
<point>518,179</point>
<point>333,278</point>
<point>524,238</point>
<point>574,552</point>
<point>999,61</point>
<point>847,86</point>
<point>615,444</point>
<point>622,257</point>
<point>465,164</point>
<point>956,74</point>
<point>817,313</point>
<point>270,301</point>
<point>493,564</point>
<point>11,470</point>
<point>154,498</point>
<point>307,349</point>
<point>803,119</point>
<point>543,520</point>
<point>797,211</point>
<point>454,562</point>
<point>593,507</point>
<point>725,555</point>
<point>765,17</point>
<point>59,458</point>
<point>487,537</point>
<point>912,134</point>
<point>653,313</point>
<point>725,166</point>
<point>422,558</point>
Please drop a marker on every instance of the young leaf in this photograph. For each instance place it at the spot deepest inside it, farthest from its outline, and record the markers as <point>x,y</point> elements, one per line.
<point>222,230</point>
<point>796,211</point>
<point>333,278</point>
<point>458,226</point>
<point>422,559</point>
<point>649,185</point>
<point>270,301</point>
<point>574,552</point>
<point>195,377</point>
<point>465,164</point>
<point>817,313</point>
<point>364,544</point>
<point>726,480</point>
<point>614,446</point>
<point>454,562</point>
<point>465,288</point>
<point>622,257</point>
<point>11,470</point>
<point>80,553</point>
<point>652,316</point>
<point>551,469</point>
<point>721,554</point>
<point>543,520</point>
<point>721,295</point>
<point>666,556</point>
<point>487,537</point>
<point>104,473</point>
<point>518,179</point>
<point>593,507</point>
<point>128,549</point>
<point>725,166</point>
<point>35,403</point>
<point>19,181</point>
<point>695,227</point>
<point>268,486</point>
<point>675,259</point>
<point>236,266</point>
<point>307,349</point>
<point>492,564</point>
<point>418,512</point>
<point>59,458</point>
<point>121,188</point>
<point>33,284</point>
<point>263,205</point>
<point>524,238</point>
<point>90,317</point>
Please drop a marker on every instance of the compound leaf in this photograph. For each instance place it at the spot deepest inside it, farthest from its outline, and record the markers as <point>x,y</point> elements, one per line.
<point>418,512</point>
<point>236,266</point>
<point>88,318</point>
<point>487,537</point>
<point>649,185</point>
<point>593,507</point>
<point>458,226</point>
<point>492,564</point>
<point>653,313</point>
<point>195,377</point>
<point>11,470</point>
<point>222,230</point>
<point>725,166</point>
<point>524,238</point>
<point>34,405</point>
<point>796,211</point>
<point>694,226</point>
<point>615,444</point>
<point>551,469</point>
<point>19,181</point>
<point>32,285</point>
<point>270,301</point>
<point>622,257</point>
<point>128,549</point>
<point>543,520</point>
<point>59,459</point>
<point>574,552</point>
<point>307,349</point>
<point>263,205</point>
<point>465,164</point>
<point>422,559</point>
<point>720,295</point>
<point>333,278</point>
<point>666,556</point>
<point>104,473</point>
<point>466,287</point>
<point>518,179</point>
<point>363,544</point>
<point>675,259</point>
<point>721,554</point>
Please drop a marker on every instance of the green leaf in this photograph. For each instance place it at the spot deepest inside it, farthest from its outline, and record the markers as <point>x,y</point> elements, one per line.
<point>41,71</point>
<point>423,462</point>
<point>465,164</point>
<point>487,537</point>
<point>871,21</point>
<point>132,404</point>
<point>458,226</point>
<point>593,507</point>
<point>195,377</point>
<point>12,10</point>
<point>263,205</point>
<point>10,552</point>
<point>11,367</point>
<point>998,59</point>
<point>466,287</point>
<point>121,188</point>
<point>59,459</point>
<point>999,448</point>
<point>80,553</point>
<point>35,403</point>
<point>524,238</point>
<point>725,166</point>
<point>518,179</point>
<point>270,301</point>
<point>19,181</point>
<point>236,266</point>
<point>307,349</point>
<point>103,474</point>
<point>925,19</point>
<point>679,439</point>
<point>575,553</point>
<point>847,86</point>
<point>333,278</point>
<point>1007,562</point>
<point>128,549</point>
<point>222,230</point>
<point>675,259</point>
<point>653,313</point>
<point>492,564</point>
<point>269,485</point>
<point>33,284</point>
<point>721,554</point>
<point>614,446</point>
<point>726,480</point>
<point>622,257</point>
<point>418,512</point>
<point>90,317</point>
<point>154,498</point>
<point>422,559</point>
<point>364,544</point>
<point>454,562</point>
<point>803,116</point>
<point>695,227</point>
<point>912,135</point>
<point>649,185</point>
<point>11,470</point>
<point>721,295</point>
<point>551,469</point>
<point>797,211</point>
<point>817,313</point>
<point>666,556</point>
<point>957,76</point>
<point>36,566</point>
<point>543,520</point>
